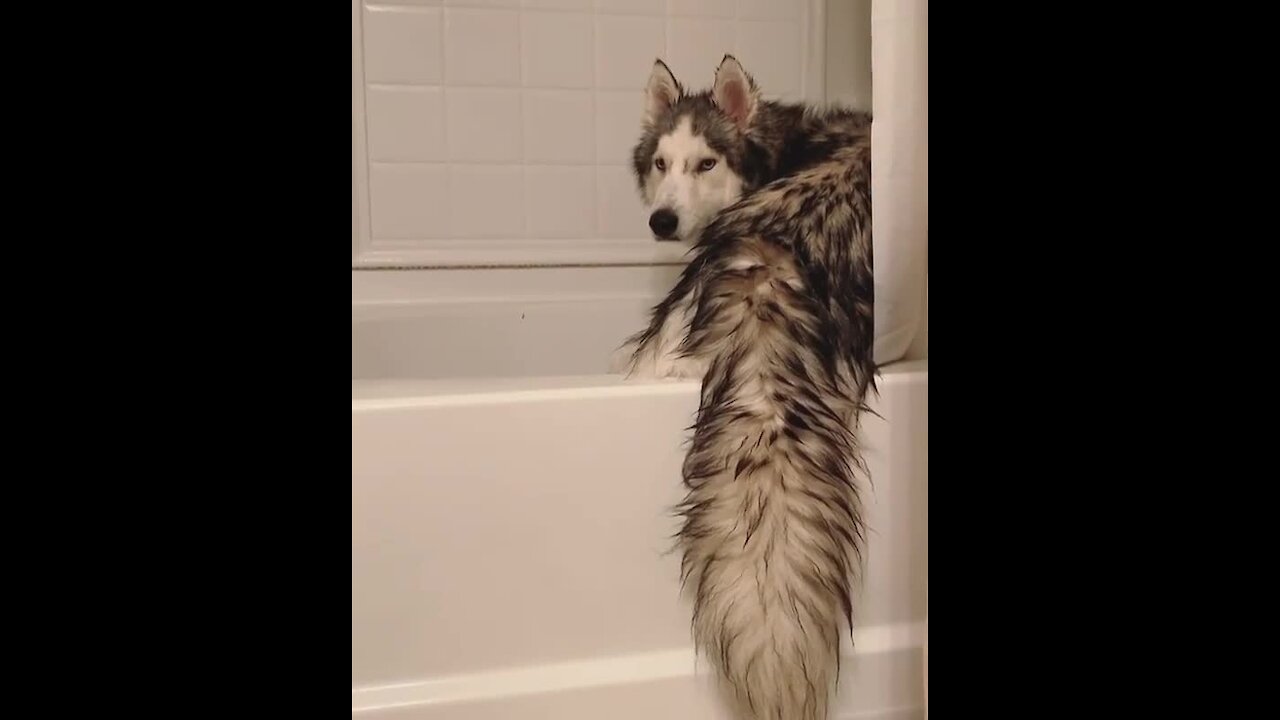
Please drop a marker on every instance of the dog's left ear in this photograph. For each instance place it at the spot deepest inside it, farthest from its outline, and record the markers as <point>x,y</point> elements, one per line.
<point>735,92</point>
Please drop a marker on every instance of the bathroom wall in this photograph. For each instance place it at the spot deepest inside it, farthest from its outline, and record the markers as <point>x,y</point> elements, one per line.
<point>499,131</point>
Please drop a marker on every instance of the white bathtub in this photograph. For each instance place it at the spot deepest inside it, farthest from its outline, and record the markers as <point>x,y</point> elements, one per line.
<point>510,512</point>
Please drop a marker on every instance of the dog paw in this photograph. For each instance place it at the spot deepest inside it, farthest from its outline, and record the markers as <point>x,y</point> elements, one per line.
<point>681,368</point>
<point>648,364</point>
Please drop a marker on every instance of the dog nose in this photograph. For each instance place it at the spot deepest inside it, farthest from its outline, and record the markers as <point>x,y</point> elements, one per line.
<point>663,223</point>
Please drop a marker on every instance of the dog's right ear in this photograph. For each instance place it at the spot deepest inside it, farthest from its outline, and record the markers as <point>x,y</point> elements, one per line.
<point>661,94</point>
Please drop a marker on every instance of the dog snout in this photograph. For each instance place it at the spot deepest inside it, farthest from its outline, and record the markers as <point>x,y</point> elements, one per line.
<point>663,223</point>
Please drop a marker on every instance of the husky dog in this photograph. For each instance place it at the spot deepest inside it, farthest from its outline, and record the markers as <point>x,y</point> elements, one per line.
<point>774,314</point>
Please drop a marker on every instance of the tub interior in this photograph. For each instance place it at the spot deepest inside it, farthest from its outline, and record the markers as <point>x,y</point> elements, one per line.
<point>496,324</point>
<point>491,339</point>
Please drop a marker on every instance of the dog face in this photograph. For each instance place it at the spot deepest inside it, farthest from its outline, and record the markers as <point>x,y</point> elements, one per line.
<point>689,162</point>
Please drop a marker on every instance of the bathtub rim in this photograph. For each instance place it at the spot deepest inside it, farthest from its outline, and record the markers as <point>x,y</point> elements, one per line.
<point>394,393</point>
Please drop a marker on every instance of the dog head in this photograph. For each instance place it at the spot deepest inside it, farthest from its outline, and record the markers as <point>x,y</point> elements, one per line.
<point>690,160</point>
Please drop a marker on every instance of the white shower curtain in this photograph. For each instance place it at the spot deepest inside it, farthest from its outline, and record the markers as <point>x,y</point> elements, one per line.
<point>900,190</point>
<point>900,172</point>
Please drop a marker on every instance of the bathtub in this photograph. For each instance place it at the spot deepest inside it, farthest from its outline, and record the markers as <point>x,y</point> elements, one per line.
<point>510,510</point>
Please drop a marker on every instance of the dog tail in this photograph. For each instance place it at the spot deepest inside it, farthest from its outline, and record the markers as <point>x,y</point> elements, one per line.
<point>772,530</point>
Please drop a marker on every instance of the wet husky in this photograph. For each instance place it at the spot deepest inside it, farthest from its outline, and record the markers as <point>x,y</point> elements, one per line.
<point>774,314</point>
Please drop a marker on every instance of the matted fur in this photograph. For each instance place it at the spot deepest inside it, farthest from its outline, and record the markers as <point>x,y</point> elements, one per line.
<point>774,314</point>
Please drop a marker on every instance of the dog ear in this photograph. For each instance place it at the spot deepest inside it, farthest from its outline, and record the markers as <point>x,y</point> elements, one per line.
<point>661,94</point>
<point>735,92</point>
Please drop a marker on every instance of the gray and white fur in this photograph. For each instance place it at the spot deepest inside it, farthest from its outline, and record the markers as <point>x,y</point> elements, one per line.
<point>774,314</point>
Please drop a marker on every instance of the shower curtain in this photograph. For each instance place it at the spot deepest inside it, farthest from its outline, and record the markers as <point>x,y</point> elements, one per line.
<point>900,190</point>
<point>900,175</point>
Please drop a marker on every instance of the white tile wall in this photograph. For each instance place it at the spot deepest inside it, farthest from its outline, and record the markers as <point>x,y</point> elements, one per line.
<point>408,201</point>
<point>556,49</point>
<point>483,125</point>
<point>406,123</point>
<point>402,45</point>
<point>481,47</point>
<point>624,43</point>
<point>558,127</point>
<point>513,120</point>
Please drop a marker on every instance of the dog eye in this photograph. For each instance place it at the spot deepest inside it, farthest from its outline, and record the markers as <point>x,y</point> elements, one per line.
<point>660,164</point>
<point>706,165</point>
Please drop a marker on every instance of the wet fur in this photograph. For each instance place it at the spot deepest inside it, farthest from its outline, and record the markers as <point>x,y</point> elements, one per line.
<point>774,314</point>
